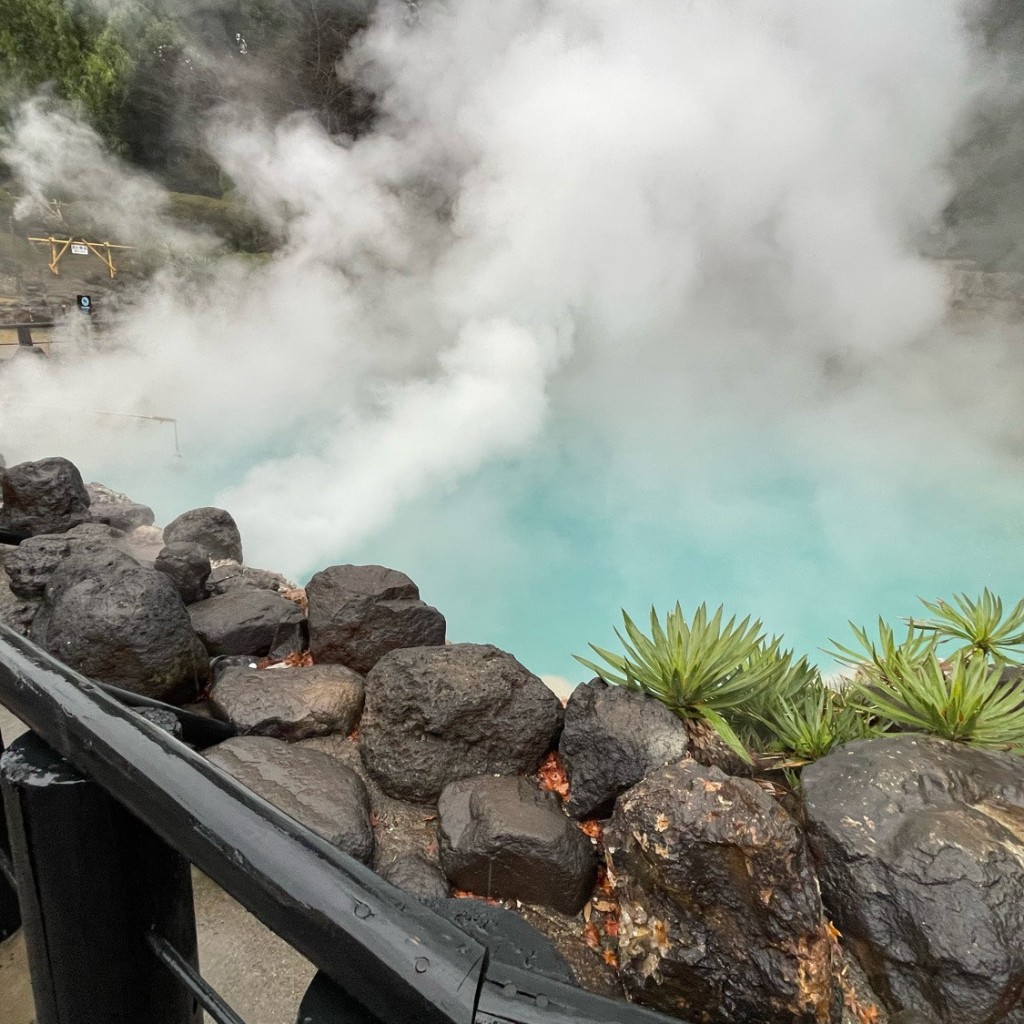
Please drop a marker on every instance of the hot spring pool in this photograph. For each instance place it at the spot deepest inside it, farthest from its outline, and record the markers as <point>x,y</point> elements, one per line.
<point>538,553</point>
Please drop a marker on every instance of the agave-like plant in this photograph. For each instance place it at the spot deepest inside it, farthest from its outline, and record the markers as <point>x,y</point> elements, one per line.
<point>980,626</point>
<point>782,679</point>
<point>700,670</point>
<point>806,726</point>
<point>963,699</point>
<point>880,659</point>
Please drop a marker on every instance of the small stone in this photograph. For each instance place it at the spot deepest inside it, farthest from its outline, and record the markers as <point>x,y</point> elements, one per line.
<point>47,496</point>
<point>289,703</point>
<point>255,622</point>
<point>213,529</point>
<point>187,567</point>
<point>358,613</point>
<point>504,837</point>
<point>314,788</point>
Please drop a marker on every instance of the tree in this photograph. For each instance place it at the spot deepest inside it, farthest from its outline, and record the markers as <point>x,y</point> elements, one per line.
<point>74,49</point>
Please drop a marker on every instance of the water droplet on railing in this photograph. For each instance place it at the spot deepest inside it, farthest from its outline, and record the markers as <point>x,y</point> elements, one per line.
<point>421,965</point>
<point>362,911</point>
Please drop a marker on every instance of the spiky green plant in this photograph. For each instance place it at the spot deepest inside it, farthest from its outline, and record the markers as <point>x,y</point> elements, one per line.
<point>700,670</point>
<point>871,657</point>
<point>807,725</point>
<point>980,626</point>
<point>782,679</point>
<point>964,699</point>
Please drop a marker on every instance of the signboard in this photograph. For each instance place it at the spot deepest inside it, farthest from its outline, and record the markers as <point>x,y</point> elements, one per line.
<point>79,250</point>
<point>85,303</point>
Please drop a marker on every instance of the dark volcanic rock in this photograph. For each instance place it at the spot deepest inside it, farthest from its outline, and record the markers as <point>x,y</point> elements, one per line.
<point>504,837</point>
<point>213,529</point>
<point>187,567</point>
<point>920,845</point>
<point>116,509</point>
<point>437,714</point>
<point>720,918</point>
<point>358,613</point>
<point>231,575</point>
<point>115,621</point>
<point>417,876</point>
<point>249,622</point>
<point>401,829</point>
<point>314,788</point>
<point>612,739</point>
<point>30,565</point>
<point>289,703</point>
<point>47,496</point>
<point>166,720</point>
<point>16,611</point>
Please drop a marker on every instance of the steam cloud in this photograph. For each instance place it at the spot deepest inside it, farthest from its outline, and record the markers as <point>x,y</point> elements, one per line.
<point>679,240</point>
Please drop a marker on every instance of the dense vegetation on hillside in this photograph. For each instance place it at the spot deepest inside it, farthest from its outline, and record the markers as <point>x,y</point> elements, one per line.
<point>144,72</point>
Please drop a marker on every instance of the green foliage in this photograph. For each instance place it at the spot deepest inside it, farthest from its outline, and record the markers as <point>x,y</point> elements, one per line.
<point>808,724</point>
<point>700,670</point>
<point>914,649</point>
<point>961,697</point>
<point>756,696</point>
<point>71,47</point>
<point>979,624</point>
<point>964,700</point>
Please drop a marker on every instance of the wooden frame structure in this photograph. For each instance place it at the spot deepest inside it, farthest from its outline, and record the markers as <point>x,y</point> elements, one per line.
<point>60,246</point>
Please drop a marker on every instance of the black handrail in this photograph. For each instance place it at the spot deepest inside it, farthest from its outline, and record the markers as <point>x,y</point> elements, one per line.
<point>396,957</point>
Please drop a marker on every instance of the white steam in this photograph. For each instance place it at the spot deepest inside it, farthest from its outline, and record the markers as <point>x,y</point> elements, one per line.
<point>690,231</point>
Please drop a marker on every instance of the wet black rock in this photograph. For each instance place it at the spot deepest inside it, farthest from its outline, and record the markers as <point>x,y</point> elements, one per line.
<point>30,565</point>
<point>166,720</point>
<point>187,567</point>
<point>505,837</point>
<point>314,788</point>
<point>116,509</point>
<point>920,845</point>
<point>232,575</point>
<point>401,828</point>
<point>612,739</point>
<point>16,611</point>
<point>358,613</point>
<point>255,622</point>
<point>47,496</point>
<point>417,876</point>
<point>117,622</point>
<point>213,529</point>
<point>437,714</point>
<point>720,919</point>
<point>289,703</point>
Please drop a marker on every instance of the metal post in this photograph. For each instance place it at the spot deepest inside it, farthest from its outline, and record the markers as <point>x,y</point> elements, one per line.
<point>10,916</point>
<point>94,882</point>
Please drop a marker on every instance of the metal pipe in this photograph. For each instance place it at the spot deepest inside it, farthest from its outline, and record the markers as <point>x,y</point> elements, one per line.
<point>210,1000</point>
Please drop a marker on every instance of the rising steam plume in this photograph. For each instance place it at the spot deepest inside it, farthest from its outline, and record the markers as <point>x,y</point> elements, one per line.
<point>677,242</point>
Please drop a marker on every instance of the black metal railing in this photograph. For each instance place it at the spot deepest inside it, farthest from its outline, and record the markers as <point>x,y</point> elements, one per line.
<point>106,811</point>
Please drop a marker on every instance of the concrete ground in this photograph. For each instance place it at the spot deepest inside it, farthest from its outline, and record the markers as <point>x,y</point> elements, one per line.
<point>260,975</point>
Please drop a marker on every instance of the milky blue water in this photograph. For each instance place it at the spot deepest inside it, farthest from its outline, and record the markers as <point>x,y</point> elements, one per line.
<point>539,552</point>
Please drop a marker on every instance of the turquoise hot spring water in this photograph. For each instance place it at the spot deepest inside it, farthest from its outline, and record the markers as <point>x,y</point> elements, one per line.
<point>538,552</point>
